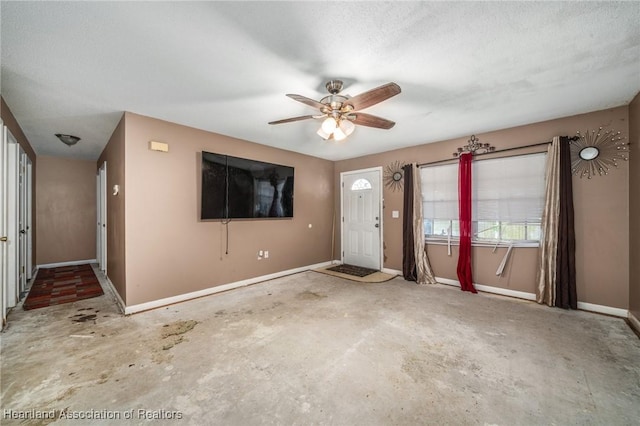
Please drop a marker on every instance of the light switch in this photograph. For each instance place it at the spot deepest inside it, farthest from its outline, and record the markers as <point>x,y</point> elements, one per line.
<point>395,214</point>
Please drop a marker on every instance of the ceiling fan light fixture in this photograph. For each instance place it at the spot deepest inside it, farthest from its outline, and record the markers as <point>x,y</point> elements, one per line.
<point>322,134</point>
<point>67,139</point>
<point>338,134</point>
<point>347,126</point>
<point>341,113</point>
<point>329,125</point>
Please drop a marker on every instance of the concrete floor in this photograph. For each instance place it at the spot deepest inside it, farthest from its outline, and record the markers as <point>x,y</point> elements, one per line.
<point>315,349</point>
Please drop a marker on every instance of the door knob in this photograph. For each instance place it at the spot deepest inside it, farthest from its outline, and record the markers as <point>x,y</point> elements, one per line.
<point>377,225</point>
<point>22,231</point>
<point>4,239</point>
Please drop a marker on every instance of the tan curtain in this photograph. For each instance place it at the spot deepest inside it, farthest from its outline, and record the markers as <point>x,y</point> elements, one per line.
<point>423,267</point>
<point>546,275</point>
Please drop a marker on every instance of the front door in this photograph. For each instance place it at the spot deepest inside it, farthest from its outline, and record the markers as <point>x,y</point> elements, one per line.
<point>362,218</point>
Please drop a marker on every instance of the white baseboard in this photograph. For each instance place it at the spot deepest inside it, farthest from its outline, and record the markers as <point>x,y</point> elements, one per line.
<point>113,290</point>
<point>490,289</point>
<point>217,289</point>
<point>635,322</point>
<point>73,262</point>
<point>601,309</point>
<point>391,271</point>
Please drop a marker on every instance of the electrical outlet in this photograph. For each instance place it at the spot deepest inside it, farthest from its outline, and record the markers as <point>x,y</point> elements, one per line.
<point>266,254</point>
<point>260,253</point>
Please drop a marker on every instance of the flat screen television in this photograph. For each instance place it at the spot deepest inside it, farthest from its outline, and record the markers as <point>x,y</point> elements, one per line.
<point>238,188</point>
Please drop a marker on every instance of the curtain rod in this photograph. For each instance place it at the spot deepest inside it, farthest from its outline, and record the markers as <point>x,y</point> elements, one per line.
<point>573,138</point>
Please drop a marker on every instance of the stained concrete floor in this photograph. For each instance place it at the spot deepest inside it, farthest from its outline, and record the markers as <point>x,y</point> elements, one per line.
<point>315,349</point>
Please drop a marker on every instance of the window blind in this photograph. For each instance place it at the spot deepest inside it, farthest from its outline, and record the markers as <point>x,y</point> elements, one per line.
<point>509,189</point>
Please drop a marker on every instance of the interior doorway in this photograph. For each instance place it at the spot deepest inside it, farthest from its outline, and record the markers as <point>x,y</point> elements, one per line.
<point>24,222</point>
<point>16,189</point>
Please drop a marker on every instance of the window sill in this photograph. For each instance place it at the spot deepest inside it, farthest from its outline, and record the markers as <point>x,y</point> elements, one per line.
<point>476,243</point>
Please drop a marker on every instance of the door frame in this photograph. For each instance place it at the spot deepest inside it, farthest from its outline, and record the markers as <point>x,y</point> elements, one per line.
<point>380,210</point>
<point>102,217</point>
<point>98,221</point>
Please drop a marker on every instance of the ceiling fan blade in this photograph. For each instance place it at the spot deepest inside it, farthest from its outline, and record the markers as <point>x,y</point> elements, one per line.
<point>307,101</point>
<point>372,121</point>
<point>373,96</point>
<point>289,120</point>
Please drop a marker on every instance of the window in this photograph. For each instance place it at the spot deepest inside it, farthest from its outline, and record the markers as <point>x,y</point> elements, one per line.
<point>508,199</point>
<point>440,200</point>
<point>361,184</point>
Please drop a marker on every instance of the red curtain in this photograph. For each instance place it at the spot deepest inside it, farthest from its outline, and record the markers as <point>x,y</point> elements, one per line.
<point>464,203</point>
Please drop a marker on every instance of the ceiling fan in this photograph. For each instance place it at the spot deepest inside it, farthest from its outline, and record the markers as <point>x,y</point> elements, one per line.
<point>341,112</point>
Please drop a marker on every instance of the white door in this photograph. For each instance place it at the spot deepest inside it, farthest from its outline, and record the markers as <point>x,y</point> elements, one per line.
<point>22,223</point>
<point>98,222</point>
<point>12,211</point>
<point>102,260</point>
<point>362,218</point>
<point>3,225</point>
<point>29,206</point>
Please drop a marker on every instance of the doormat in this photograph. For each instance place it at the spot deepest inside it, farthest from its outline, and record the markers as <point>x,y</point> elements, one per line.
<point>357,271</point>
<point>374,277</point>
<point>64,284</point>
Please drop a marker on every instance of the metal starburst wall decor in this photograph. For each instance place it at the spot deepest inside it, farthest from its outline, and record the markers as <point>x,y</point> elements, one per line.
<point>393,175</point>
<point>594,153</point>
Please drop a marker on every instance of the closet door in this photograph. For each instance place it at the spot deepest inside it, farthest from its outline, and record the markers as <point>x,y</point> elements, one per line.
<point>3,225</point>
<point>12,217</point>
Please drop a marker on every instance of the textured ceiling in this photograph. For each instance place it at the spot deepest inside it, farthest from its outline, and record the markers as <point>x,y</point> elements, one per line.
<point>225,67</point>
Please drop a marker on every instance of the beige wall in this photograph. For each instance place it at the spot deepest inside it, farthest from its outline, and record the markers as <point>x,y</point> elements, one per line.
<point>113,154</point>
<point>634,207</point>
<point>169,251</point>
<point>601,219</point>
<point>13,126</point>
<point>65,210</point>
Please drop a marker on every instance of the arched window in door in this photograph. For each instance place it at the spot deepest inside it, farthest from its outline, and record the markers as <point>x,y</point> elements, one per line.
<point>360,185</point>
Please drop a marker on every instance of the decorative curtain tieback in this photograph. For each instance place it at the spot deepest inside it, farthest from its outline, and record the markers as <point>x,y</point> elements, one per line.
<point>505,259</point>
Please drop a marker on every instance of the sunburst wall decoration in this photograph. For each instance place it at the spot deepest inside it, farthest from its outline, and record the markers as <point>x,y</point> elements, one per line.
<point>594,153</point>
<point>393,175</point>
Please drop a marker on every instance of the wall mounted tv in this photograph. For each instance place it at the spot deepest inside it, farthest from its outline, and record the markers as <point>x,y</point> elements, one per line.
<point>238,188</point>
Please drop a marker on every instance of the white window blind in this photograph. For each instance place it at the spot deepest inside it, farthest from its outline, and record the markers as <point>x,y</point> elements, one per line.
<point>508,198</point>
<point>440,191</point>
<point>509,189</point>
